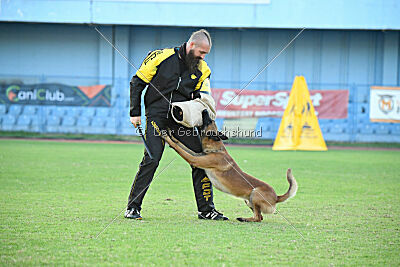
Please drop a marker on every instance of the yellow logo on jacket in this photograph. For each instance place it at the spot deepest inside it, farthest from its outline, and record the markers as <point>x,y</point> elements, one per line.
<point>193,76</point>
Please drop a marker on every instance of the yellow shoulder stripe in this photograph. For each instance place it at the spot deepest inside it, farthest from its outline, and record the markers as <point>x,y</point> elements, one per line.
<point>206,72</point>
<point>205,87</point>
<point>149,66</point>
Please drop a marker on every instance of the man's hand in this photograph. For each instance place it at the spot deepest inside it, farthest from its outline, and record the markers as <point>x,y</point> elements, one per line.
<point>136,121</point>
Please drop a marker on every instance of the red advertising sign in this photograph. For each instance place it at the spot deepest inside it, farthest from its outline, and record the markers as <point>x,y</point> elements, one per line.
<point>328,104</point>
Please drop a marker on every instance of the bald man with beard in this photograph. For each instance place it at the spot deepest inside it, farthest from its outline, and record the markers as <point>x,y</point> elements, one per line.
<point>171,75</point>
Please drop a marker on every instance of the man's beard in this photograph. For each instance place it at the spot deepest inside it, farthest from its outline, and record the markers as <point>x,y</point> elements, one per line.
<point>192,61</point>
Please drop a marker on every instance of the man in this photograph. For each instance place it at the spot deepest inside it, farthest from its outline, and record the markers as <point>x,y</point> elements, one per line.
<point>172,75</point>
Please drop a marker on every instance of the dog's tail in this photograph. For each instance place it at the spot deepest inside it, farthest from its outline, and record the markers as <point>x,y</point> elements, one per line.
<point>292,187</point>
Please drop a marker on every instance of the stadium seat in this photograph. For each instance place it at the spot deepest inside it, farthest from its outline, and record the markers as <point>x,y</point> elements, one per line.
<point>59,111</point>
<point>120,102</point>
<point>68,121</point>
<point>53,120</point>
<point>88,112</point>
<point>23,123</point>
<point>47,110</point>
<point>337,129</point>
<point>269,127</point>
<point>53,123</point>
<point>263,124</point>
<point>127,103</point>
<point>83,121</point>
<point>3,110</point>
<point>35,123</point>
<point>15,110</point>
<point>110,126</point>
<point>274,124</point>
<point>102,112</point>
<point>8,122</point>
<point>35,120</point>
<point>68,124</point>
<point>110,122</point>
<point>74,111</point>
<point>82,124</point>
<point>96,126</point>
<point>127,127</point>
<point>395,129</point>
<point>365,129</point>
<point>30,110</point>
<point>325,128</point>
<point>361,120</point>
<point>98,121</point>
<point>382,129</point>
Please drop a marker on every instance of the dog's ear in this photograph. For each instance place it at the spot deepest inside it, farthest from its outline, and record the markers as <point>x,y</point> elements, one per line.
<point>222,136</point>
<point>205,116</point>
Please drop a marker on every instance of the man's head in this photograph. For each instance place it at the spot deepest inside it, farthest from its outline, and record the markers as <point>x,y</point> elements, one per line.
<point>197,47</point>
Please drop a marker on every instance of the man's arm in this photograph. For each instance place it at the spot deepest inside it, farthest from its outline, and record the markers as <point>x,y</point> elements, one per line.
<point>136,88</point>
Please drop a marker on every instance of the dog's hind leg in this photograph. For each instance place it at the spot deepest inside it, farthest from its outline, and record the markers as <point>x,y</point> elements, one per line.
<point>257,216</point>
<point>257,203</point>
<point>249,204</point>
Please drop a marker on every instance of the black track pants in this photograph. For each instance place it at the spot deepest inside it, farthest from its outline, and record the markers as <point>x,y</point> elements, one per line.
<point>201,184</point>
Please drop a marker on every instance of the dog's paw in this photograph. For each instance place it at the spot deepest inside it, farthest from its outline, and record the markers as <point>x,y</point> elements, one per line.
<point>241,219</point>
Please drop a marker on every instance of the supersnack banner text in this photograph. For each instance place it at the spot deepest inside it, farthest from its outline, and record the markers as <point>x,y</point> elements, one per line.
<point>55,94</point>
<point>329,104</point>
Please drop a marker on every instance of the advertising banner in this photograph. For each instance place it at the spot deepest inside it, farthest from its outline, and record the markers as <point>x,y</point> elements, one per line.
<point>55,94</point>
<point>329,104</point>
<point>384,104</point>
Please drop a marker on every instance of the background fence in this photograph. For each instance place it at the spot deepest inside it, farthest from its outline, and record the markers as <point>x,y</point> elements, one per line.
<point>115,119</point>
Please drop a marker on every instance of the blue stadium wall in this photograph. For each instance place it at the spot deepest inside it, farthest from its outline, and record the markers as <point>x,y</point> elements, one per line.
<point>77,55</point>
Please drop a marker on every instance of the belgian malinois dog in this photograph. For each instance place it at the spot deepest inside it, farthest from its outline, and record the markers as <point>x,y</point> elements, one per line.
<point>225,174</point>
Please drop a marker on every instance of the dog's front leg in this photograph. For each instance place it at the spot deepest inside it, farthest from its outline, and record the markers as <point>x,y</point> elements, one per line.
<point>176,141</point>
<point>194,159</point>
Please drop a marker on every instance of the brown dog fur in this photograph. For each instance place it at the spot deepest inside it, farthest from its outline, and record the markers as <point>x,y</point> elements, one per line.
<point>226,175</point>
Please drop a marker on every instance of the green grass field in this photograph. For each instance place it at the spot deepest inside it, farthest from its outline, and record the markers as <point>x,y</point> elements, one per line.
<point>56,197</point>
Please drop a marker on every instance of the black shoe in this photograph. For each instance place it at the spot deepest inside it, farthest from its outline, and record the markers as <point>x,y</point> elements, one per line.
<point>133,214</point>
<point>212,215</point>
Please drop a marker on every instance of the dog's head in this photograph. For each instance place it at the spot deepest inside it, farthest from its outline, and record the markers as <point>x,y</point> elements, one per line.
<point>211,138</point>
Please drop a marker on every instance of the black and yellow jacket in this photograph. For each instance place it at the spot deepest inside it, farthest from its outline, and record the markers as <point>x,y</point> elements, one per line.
<point>166,70</point>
